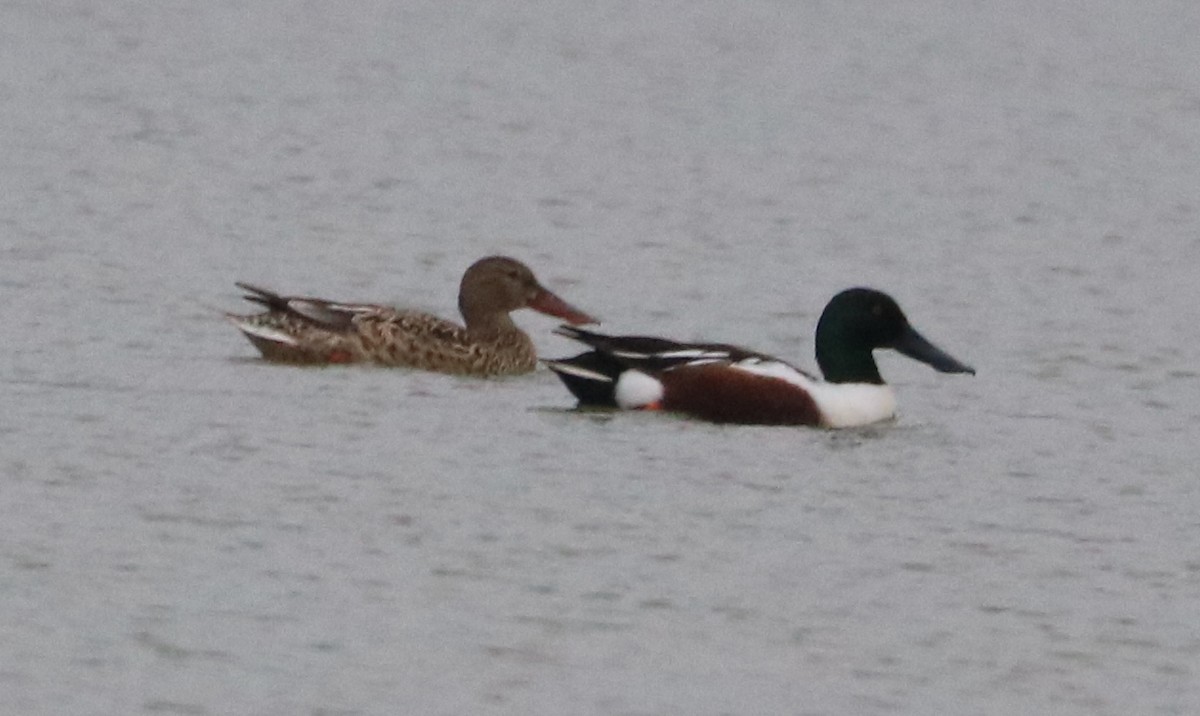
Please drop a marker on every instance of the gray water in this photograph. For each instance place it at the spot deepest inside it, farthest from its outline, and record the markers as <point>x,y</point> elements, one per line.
<point>187,530</point>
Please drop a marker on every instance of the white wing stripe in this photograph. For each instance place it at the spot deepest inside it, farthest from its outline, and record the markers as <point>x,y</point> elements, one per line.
<point>681,354</point>
<point>265,332</point>
<point>579,372</point>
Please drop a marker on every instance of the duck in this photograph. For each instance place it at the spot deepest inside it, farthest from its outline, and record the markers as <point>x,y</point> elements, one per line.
<point>316,331</point>
<point>723,383</point>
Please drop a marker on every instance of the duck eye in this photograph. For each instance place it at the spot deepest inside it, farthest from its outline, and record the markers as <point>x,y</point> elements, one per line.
<point>877,309</point>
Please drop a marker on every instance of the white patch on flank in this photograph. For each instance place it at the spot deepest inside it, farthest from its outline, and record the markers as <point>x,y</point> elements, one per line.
<point>265,332</point>
<point>842,405</point>
<point>635,390</point>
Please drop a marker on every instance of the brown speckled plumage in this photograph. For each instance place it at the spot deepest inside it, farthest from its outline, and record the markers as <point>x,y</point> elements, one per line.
<point>318,332</point>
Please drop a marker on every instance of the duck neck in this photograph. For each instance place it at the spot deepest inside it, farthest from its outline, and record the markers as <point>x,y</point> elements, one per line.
<point>843,361</point>
<point>849,367</point>
<point>487,325</point>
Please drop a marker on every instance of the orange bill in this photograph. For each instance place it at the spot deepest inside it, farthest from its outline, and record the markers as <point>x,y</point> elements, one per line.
<point>551,305</point>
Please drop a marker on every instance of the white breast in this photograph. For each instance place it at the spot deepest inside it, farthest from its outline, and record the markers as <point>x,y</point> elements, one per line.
<point>848,405</point>
<point>842,405</point>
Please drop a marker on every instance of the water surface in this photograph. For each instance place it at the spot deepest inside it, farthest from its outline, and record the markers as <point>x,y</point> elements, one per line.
<point>187,530</point>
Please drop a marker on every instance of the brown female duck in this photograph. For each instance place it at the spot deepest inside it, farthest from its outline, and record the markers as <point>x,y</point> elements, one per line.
<point>315,331</point>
